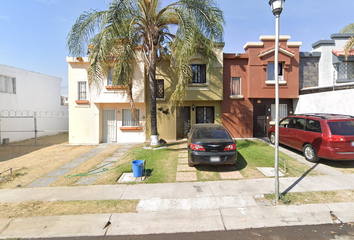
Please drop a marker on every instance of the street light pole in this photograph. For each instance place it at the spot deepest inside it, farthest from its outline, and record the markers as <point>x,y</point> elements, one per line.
<point>277,7</point>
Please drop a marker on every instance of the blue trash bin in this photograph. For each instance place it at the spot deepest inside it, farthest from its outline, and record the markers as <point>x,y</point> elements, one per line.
<point>138,168</point>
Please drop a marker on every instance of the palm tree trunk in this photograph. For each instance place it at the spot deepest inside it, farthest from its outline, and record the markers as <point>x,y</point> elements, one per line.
<point>154,139</point>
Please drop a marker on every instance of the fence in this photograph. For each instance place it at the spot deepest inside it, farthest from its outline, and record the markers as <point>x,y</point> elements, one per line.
<point>13,126</point>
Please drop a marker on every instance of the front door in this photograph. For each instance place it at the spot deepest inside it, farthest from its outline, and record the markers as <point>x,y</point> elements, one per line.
<point>259,121</point>
<point>183,122</point>
<point>109,125</point>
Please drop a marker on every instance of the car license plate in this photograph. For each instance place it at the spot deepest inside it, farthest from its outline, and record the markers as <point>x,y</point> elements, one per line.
<point>214,159</point>
<point>352,144</point>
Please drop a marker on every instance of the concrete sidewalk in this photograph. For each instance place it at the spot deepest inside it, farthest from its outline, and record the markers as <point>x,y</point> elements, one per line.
<point>180,207</point>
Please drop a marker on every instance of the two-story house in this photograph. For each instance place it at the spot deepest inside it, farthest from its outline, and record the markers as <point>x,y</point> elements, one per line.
<point>327,78</point>
<point>201,104</point>
<point>248,107</point>
<point>102,114</point>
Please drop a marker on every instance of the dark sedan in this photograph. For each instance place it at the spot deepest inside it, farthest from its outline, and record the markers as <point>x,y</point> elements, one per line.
<point>210,144</point>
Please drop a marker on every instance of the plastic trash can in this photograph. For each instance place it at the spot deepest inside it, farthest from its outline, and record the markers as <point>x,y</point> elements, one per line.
<point>138,168</point>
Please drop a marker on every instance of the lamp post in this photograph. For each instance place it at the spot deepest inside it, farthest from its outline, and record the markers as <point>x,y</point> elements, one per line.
<point>277,7</point>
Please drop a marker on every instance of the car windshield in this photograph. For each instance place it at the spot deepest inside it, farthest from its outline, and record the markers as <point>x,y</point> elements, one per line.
<point>211,134</point>
<point>342,127</point>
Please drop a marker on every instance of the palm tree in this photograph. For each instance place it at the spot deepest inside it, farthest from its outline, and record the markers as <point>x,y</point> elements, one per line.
<point>132,28</point>
<point>350,44</point>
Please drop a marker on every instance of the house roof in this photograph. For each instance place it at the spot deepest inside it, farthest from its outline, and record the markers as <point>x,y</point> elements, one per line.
<point>283,49</point>
<point>340,52</point>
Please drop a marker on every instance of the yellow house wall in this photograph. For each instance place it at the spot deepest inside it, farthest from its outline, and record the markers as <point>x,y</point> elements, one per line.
<point>209,94</point>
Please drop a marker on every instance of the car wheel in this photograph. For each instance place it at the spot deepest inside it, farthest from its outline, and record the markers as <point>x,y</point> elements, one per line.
<point>310,153</point>
<point>272,138</point>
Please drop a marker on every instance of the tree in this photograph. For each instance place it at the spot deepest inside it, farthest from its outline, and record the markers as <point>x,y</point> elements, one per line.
<point>128,28</point>
<point>350,44</point>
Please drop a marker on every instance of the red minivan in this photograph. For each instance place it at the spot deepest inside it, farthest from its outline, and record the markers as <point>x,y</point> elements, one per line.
<point>328,136</point>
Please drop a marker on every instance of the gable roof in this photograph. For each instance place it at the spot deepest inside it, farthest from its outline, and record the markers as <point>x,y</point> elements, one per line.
<point>282,49</point>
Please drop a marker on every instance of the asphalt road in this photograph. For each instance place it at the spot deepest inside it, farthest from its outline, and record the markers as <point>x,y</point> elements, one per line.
<point>313,232</point>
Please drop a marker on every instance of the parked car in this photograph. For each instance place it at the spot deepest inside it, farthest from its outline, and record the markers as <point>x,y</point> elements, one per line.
<point>328,136</point>
<point>210,144</point>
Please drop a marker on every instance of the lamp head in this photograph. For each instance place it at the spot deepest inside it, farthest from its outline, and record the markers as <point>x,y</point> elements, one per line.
<point>277,6</point>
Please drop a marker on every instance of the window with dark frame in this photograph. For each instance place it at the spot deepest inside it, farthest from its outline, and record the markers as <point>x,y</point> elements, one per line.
<point>345,71</point>
<point>199,73</point>
<point>160,92</point>
<point>270,71</point>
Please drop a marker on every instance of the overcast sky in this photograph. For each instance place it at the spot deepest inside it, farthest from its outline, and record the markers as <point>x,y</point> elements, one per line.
<point>33,33</point>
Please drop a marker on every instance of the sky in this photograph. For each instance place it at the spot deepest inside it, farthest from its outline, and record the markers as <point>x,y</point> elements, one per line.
<point>33,33</point>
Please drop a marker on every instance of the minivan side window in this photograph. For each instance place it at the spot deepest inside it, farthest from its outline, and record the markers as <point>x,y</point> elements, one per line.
<point>284,123</point>
<point>313,125</point>
<point>297,123</point>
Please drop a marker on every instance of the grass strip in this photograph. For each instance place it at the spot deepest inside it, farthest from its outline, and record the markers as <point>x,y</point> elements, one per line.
<point>314,197</point>
<point>39,208</point>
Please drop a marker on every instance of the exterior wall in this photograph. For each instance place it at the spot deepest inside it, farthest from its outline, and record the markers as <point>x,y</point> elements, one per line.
<point>337,102</point>
<point>239,112</point>
<point>35,92</point>
<point>258,72</point>
<point>209,95</point>
<point>308,72</point>
<point>85,122</point>
<point>327,96</point>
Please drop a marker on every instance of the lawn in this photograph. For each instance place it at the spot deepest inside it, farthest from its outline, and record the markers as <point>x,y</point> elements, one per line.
<point>161,165</point>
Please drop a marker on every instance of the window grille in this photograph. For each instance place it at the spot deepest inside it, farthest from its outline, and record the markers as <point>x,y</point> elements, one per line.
<point>346,71</point>
<point>160,88</point>
<point>235,86</point>
<point>128,120</point>
<point>82,94</point>
<point>7,84</point>
<point>205,115</point>
<point>199,73</point>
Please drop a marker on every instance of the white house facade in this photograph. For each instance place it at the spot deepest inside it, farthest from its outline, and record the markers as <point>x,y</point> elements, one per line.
<point>102,114</point>
<point>327,78</point>
<point>30,101</point>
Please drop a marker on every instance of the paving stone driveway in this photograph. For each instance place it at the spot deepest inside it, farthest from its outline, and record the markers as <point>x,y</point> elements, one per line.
<point>186,173</point>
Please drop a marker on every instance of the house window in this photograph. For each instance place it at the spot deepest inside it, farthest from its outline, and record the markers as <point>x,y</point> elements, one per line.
<point>235,86</point>
<point>283,111</point>
<point>345,71</point>
<point>199,73</point>
<point>160,93</point>
<point>128,120</point>
<point>270,72</point>
<point>82,90</point>
<point>109,77</point>
<point>205,115</point>
<point>110,81</point>
<point>7,84</point>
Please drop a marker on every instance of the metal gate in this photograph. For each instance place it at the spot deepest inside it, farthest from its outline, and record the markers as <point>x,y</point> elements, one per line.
<point>259,121</point>
<point>109,124</point>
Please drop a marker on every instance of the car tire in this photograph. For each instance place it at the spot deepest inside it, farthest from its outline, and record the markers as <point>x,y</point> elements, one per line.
<point>310,153</point>
<point>272,138</point>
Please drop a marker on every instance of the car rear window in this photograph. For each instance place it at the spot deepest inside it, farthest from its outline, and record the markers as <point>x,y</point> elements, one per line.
<point>342,127</point>
<point>211,134</point>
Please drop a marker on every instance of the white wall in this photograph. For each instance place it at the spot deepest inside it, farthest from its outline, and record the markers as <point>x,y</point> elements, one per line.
<point>338,102</point>
<point>35,92</point>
